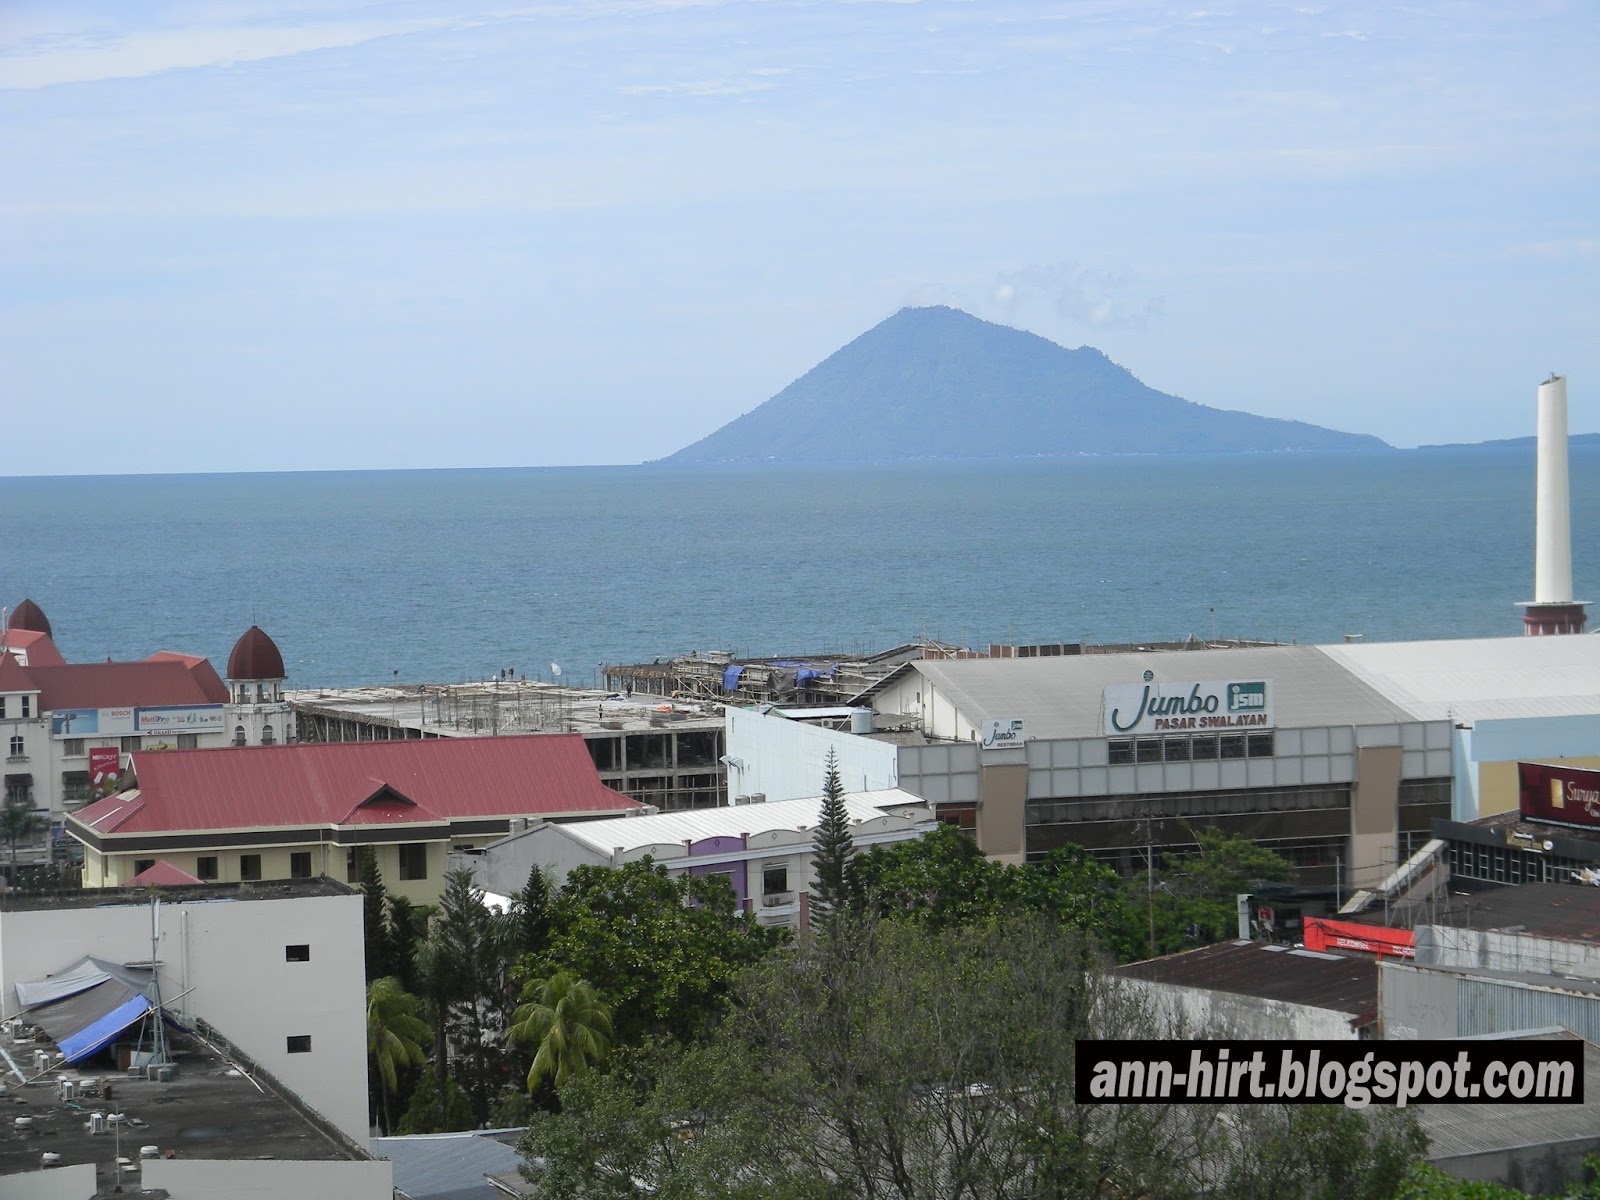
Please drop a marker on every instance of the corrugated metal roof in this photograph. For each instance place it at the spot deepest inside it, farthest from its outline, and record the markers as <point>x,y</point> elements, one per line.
<point>1461,1130</point>
<point>629,833</point>
<point>1473,679</point>
<point>1062,697</point>
<point>447,1166</point>
<point>1556,910</point>
<point>152,683</point>
<point>1347,985</point>
<point>280,787</point>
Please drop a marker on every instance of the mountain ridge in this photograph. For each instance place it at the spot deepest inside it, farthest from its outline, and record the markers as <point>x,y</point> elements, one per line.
<point>939,383</point>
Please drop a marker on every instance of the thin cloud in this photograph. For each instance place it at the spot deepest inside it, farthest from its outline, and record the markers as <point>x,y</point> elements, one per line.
<point>1097,299</point>
<point>137,55</point>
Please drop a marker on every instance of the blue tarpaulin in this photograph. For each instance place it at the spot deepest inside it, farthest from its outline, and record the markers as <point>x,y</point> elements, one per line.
<point>104,1031</point>
<point>730,678</point>
<point>807,673</point>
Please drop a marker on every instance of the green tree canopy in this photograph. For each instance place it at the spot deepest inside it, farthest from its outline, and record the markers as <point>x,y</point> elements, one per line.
<point>663,951</point>
<point>831,845</point>
<point>395,1037</point>
<point>568,1024</point>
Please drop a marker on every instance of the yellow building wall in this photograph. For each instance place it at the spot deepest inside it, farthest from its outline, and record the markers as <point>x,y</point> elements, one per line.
<point>119,868</point>
<point>1498,790</point>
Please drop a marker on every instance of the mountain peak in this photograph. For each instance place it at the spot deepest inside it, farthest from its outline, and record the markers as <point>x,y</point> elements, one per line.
<point>937,382</point>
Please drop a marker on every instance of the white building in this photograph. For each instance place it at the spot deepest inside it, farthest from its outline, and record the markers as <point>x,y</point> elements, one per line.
<point>763,849</point>
<point>277,969</point>
<point>68,728</point>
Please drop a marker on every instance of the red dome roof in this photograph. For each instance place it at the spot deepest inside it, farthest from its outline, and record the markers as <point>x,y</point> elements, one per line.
<point>29,615</point>
<point>255,656</point>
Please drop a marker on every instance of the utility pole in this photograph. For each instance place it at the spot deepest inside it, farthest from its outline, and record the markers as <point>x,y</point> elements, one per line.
<point>1150,878</point>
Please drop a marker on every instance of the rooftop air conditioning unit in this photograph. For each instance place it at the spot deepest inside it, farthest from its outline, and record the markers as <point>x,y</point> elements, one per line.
<point>97,1122</point>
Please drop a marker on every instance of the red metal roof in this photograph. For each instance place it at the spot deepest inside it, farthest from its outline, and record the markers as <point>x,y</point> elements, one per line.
<point>255,656</point>
<point>29,615</point>
<point>14,677</point>
<point>163,874</point>
<point>280,787</point>
<point>125,685</point>
<point>200,670</point>
<point>36,647</point>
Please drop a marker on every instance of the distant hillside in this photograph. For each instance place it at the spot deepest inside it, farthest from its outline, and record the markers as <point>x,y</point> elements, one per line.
<point>1521,443</point>
<point>939,383</point>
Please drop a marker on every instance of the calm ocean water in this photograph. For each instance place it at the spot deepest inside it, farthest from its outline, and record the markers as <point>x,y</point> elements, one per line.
<point>449,575</point>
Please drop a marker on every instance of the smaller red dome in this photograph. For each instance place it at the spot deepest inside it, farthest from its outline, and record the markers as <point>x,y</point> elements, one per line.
<point>29,616</point>
<point>255,656</point>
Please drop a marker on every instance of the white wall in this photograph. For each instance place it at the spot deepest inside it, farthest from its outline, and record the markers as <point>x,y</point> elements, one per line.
<point>231,954</point>
<point>1226,1015</point>
<point>787,759</point>
<point>59,1183</point>
<point>198,1179</point>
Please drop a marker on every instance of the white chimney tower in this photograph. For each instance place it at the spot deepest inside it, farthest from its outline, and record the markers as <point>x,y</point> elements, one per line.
<point>1552,609</point>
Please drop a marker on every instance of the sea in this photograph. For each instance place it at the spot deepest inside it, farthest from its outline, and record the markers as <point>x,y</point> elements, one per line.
<point>450,575</point>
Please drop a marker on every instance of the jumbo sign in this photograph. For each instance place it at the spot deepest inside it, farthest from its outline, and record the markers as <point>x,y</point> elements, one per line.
<point>1559,795</point>
<point>1162,707</point>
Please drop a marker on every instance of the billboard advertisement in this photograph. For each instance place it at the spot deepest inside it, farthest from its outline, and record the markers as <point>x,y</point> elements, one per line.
<point>1559,795</point>
<point>181,718</point>
<point>1158,706</point>
<point>105,769</point>
<point>1322,933</point>
<point>91,722</point>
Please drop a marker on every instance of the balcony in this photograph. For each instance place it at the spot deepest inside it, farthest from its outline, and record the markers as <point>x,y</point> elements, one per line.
<point>779,899</point>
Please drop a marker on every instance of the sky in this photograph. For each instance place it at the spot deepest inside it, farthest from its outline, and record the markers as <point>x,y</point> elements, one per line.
<point>331,234</point>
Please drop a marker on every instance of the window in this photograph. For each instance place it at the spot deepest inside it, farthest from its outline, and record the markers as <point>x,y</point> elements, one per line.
<point>75,787</point>
<point>27,705</point>
<point>141,865</point>
<point>300,864</point>
<point>352,865</point>
<point>1232,745</point>
<point>1119,752</point>
<point>300,953</point>
<point>238,735</point>
<point>249,866</point>
<point>267,737</point>
<point>205,866</point>
<point>299,1043</point>
<point>414,860</point>
<point>1147,750</point>
<point>1260,745</point>
<point>18,748</point>
<point>2,708</point>
<point>1203,748</point>
<point>72,748</point>
<point>774,879</point>
<point>188,741</point>
<point>130,744</point>
<point>1177,749</point>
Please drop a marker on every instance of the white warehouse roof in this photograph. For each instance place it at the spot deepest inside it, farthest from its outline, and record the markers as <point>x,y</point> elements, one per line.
<point>1481,678</point>
<point>630,833</point>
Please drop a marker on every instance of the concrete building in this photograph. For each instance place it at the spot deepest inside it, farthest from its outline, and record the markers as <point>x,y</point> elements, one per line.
<point>69,727</point>
<point>278,970</point>
<point>298,812</point>
<point>764,849</point>
<point>665,753</point>
<point>1339,757</point>
<point>1251,990</point>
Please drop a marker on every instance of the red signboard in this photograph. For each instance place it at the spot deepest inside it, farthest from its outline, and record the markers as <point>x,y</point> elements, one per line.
<point>1559,795</point>
<point>105,769</point>
<point>1324,934</point>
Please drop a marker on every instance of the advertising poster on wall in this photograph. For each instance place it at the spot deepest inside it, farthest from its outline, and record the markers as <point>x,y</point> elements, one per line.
<point>1160,706</point>
<point>105,769</point>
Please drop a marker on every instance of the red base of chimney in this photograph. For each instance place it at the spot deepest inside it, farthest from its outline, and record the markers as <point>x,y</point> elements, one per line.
<point>1541,619</point>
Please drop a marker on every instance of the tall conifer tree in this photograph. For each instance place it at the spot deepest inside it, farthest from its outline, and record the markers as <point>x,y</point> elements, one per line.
<point>831,846</point>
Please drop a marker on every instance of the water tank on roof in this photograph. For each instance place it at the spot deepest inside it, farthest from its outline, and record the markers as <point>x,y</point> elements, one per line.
<point>861,720</point>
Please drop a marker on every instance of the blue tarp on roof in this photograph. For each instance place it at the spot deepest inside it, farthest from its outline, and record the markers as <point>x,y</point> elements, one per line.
<point>730,678</point>
<point>104,1031</point>
<point>808,673</point>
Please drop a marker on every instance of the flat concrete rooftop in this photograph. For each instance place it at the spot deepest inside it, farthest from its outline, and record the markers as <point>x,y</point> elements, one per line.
<point>211,1109</point>
<point>506,706</point>
<point>277,889</point>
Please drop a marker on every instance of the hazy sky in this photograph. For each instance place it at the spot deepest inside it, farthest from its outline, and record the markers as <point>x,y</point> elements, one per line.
<point>240,235</point>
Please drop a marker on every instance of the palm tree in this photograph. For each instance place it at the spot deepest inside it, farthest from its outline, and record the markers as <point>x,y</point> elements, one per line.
<point>394,1038</point>
<point>568,1022</point>
<point>18,822</point>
